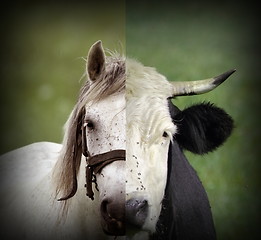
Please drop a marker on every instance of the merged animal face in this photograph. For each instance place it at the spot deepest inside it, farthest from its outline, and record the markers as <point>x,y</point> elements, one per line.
<point>140,119</point>
<point>131,192</point>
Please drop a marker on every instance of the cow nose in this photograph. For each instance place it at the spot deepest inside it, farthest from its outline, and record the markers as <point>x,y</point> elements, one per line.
<point>113,214</point>
<point>136,212</point>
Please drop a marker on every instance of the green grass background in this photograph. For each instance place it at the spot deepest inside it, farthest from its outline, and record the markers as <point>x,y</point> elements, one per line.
<point>42,50</point>
<point>188,40</point>
<point>42,46</point>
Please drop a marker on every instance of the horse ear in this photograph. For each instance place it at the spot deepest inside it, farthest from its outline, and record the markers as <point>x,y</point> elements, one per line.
<point>96,61</point>
<point>202,128</point>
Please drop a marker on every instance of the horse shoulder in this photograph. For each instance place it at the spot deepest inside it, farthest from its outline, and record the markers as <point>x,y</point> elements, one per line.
<point>27,202</point>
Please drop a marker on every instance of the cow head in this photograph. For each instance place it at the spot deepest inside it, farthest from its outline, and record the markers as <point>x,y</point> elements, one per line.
<point>154,127</point>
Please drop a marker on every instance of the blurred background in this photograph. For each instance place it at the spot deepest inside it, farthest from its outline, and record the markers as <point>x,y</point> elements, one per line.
<point>42,51</point>
<point>191,40</point>
<point>43,46</point>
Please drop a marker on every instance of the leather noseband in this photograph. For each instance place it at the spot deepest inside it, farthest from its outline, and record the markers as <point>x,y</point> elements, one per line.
<point>97,162</point>
<point>94,163</point>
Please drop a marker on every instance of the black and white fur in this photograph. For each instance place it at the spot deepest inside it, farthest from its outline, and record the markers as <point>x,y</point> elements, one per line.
<point>186,212</point>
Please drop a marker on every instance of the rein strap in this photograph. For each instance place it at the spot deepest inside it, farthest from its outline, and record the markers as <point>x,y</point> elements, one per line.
<point>97,162</point>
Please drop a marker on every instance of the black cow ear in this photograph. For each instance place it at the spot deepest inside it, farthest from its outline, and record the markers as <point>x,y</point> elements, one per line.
<point>202,128</point>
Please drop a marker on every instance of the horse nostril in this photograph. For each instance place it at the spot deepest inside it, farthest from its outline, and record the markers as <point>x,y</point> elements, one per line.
<point>136,211</point>
<point>104,212</point>
<point>113,214</point>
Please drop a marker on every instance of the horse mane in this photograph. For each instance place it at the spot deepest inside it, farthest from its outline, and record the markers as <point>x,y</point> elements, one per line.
<point>111,81</point>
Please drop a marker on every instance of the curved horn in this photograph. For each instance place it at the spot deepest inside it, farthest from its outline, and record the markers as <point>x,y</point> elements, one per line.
<point>200,86</point>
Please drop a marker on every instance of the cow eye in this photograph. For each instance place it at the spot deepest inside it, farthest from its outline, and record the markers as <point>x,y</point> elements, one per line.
<point>165,135</point>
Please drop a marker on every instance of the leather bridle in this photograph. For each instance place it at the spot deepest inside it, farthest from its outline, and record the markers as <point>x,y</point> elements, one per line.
<point>94,164</point>
<point>97,162</point>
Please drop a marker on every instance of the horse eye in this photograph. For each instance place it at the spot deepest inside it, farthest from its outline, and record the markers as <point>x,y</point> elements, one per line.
<point>165,135</point>
<point>90,125</point>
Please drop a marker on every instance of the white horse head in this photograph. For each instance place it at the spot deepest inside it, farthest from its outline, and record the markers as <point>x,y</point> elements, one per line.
<point>96,128</point>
